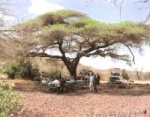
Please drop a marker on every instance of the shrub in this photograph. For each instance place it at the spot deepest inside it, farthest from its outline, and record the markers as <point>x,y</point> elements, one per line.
<point>8,99</point>
<point>21,69</point>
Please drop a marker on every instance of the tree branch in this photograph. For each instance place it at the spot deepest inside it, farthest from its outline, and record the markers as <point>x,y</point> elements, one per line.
<point>133,57</point>
<point>33,54</point>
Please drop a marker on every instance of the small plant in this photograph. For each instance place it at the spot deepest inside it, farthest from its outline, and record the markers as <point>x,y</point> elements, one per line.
<point>9,100</point>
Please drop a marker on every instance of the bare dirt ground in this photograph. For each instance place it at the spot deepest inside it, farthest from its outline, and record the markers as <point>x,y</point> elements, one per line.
<point>108,102</point>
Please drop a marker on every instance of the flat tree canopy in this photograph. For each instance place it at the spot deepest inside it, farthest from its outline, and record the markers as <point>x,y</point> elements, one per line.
<point>70,35</point>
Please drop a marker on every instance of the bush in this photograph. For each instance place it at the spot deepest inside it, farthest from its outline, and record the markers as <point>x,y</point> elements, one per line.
<point>21,69</point>
<point>8,99</point>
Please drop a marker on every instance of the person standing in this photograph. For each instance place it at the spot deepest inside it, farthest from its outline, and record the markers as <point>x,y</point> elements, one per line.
<point>98,79</point>
<point>95,84</point>
<point>91,82</point>
<point>62,84</point>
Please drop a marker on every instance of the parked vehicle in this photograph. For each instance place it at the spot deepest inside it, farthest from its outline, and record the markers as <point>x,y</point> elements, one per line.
<point>116,79</point>
<point>85,74</point>
<point>116,76</point>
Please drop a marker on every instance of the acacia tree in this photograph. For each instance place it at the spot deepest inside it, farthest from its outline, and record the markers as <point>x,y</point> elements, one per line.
<point>70,35</point>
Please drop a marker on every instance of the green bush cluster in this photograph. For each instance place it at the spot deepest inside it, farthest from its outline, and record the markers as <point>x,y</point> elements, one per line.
<point>21,69</point>
<point>8,99</point>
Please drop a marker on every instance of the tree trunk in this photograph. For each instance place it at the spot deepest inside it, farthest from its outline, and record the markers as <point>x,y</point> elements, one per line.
<point>72,67</point>
<point>73,73</point>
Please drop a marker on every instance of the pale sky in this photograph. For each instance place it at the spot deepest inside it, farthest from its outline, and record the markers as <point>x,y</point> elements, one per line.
<point>97,9</point>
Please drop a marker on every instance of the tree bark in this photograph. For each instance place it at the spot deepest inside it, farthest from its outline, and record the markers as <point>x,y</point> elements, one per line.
<point>72,66</point>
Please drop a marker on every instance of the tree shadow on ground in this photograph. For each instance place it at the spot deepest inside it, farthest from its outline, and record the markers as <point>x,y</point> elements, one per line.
<point>135,90</point>
<point>26,85</point>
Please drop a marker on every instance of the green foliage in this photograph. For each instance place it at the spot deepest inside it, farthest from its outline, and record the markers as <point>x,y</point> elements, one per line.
<point>8,99</point>
<point>70,13</point>
<point>55,28</point>
<point>126,28</point>
<point>65,13</point>
<point>129,27</point>
<point>89,23</point>
<point>21,69</point>
<point>30,22</point>
<point>70,21</point>
<point>28,26</point>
